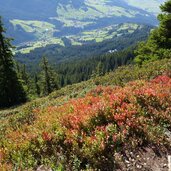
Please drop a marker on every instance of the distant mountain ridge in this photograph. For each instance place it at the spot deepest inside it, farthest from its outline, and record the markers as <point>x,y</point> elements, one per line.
<point>30,19</point>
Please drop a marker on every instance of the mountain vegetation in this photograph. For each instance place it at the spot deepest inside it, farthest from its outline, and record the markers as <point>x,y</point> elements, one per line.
<point>48,78</point>
<point>119,110</point>
<point>87,37</point>
<point>84,126</point>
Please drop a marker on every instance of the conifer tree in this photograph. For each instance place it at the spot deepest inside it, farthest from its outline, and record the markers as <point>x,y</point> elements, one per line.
<point>28,83</point>
<point>158,44</point>
<point>37,87</point>
<point>11,90</point>
<point>48,78</point>
<point>99,70</point>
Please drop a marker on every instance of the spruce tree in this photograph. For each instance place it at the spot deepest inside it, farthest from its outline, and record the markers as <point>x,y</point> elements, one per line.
<point>99,70</point>
<point>11,90</point>
<point>48,77</point>
<point>158,45</point>
<point>37,87</point>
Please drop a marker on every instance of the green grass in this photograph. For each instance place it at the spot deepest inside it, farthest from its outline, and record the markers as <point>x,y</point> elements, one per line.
<point>38,44</point>
<point>119,77</point>
<point>150,6</point>
<point>99,35</point>
<point>40,29</point>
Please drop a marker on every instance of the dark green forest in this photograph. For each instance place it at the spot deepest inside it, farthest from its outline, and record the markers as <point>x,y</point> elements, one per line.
<point>158,45</point>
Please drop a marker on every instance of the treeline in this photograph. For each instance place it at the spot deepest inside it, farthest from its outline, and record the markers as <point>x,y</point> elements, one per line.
<point>17,85</point>
<point>157,46</point>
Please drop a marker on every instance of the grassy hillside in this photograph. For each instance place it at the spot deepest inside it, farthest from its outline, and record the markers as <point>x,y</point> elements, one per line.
<point>42,30</point>
<point>93,124</point>
<point>150,6</point>
<point>106,33</point>
<point>89,11</point>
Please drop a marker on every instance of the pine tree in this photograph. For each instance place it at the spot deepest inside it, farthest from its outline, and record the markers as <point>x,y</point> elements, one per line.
<point>99,70</point>
<point>27,81</point>
<point>25,76</point>
<point>11,90</point>
<point>37,87</point>
<point>158,44</point>
<point>48,78</point>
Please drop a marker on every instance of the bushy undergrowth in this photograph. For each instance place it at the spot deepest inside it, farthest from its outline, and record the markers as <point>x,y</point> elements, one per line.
<point>85,133</point>
<point>50,131</point>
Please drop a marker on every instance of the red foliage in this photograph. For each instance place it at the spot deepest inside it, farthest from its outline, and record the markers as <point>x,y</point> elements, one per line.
<point>162,79</point>
<point>46,136</point>
<point>119,106</point>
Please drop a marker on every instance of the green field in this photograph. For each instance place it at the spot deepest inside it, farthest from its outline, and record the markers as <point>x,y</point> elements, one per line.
<point>99,35</point>
<point>151,6</point>
<point>79,22</point>
<point>40,29</point>
<point>37,44</point>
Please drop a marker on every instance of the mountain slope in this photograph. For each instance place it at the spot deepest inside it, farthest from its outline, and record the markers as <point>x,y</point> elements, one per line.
<point>115,123</point>
<point>71,16</point>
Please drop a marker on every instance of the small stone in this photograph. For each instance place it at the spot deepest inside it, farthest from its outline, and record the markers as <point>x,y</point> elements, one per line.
<point>138,156</point>
<point>139,166</point>
<point>43,168</point>
<point>165,165</point>
<point>128,165</point>
<point>126,161</point>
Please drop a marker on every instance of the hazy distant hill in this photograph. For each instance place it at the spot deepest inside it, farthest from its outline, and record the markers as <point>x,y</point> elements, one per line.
<point>35,20</point>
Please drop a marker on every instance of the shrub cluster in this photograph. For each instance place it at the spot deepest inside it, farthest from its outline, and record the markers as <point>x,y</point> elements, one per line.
<point>86,133</point>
